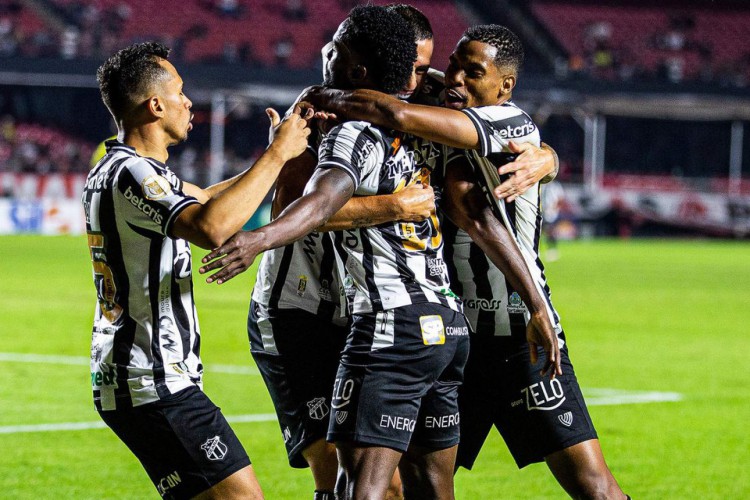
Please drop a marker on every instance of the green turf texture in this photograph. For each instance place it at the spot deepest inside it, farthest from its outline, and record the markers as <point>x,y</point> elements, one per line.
<point>639,315</point>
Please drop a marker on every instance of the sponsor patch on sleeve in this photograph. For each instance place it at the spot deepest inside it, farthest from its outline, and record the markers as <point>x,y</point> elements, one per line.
<point>156,187</point>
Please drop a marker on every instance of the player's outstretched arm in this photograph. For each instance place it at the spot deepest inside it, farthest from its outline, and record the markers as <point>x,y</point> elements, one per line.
<point>467,207</point>
<point>446,126</point>
<point>209,225</point>
<point>327,191</point>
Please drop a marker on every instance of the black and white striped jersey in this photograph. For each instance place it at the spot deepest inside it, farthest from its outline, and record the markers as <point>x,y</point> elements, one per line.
<point>490,303</point>
<point>397,263</point>
<point>145,342</point>
<point>302,275</point>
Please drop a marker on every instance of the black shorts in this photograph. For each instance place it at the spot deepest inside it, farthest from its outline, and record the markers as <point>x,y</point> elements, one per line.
<point>297,354</point>
<point>183,442</point>
<point>398,379</point>
<point>536,416</point>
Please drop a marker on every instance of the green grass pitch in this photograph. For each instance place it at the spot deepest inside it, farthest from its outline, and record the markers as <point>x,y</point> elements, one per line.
<point>666,316</point>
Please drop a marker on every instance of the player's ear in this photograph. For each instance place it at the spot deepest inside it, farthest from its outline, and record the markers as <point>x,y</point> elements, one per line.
<point>509,81</point>
<point>154,106</point>
<point>358,74</point>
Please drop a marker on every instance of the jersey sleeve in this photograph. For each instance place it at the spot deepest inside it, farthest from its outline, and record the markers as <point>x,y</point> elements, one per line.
<point>352,147</point>
<point>497,125</point>
<point>150,197</point>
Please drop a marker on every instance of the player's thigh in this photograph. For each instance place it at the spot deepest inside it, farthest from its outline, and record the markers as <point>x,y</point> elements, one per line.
<point>541,415</point>
<point>391,361</point>
<point>183,442</point>
<point>297,354</point>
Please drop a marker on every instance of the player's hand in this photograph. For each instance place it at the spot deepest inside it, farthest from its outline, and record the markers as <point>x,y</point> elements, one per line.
<point>539,332</point>
<point>235,256</point>
<point>290,135</point>
<point>415,203</point>
<point>532,165</point>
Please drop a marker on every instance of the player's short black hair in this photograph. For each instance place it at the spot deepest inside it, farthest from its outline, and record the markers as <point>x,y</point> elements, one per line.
<point>385,43</point>
<point>126,76</point>
<point>416,19</point>
<point>508,45</point>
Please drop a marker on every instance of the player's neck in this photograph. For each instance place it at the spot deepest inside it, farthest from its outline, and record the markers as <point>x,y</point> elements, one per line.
<point>146,142</point>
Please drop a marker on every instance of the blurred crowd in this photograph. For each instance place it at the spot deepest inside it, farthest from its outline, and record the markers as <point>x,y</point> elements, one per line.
<point>33,148</point>
<point>677,46</point>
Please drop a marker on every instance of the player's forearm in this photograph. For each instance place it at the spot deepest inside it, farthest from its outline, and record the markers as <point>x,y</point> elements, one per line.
<point>226,212</point>
<point>498,244</point>
<point>550,175</point>
<point>363,211</point>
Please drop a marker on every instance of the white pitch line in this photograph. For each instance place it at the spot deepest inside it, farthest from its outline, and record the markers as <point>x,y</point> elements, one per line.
<point>52,359</point>
<point>85,426</point>
<point>603,397</point>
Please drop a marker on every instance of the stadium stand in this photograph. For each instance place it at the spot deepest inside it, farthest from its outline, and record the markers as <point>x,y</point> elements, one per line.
<point>264,32</point>
<point>625,41</point>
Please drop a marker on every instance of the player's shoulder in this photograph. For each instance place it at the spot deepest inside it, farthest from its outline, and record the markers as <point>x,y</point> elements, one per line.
<point>356,133</point>
<point>495,112</point>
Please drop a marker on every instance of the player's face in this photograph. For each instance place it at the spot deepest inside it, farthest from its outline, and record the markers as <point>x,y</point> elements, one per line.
<point>177,117</point>
<point>421,66</point>
<point>472,77</point>
<point>337,62</point>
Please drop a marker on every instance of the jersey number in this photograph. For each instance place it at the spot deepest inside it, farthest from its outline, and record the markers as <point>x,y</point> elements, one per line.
<point>411,240</point>
<point>103,278</point>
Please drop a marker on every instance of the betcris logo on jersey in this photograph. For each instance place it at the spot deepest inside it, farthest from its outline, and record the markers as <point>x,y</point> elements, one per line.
<point>143,205</point>
<point>514,128</point>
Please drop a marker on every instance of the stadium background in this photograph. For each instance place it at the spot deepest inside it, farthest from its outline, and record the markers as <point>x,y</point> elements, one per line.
<point>648,107</point>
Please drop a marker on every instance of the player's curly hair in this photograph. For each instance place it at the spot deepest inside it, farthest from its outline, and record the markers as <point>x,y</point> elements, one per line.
<point>416,19</point>
<point>507,43</point>
<point>385,42</point>
<point>126,77</point>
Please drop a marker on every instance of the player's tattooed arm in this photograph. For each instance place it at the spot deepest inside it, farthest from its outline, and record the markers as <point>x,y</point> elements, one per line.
<point>467,207</point>
<point>532,165</point>
<point>412,204</point>
<point>326,192</point>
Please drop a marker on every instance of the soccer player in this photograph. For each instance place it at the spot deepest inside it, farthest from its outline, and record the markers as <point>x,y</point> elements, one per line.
<point>295,324</point>
<point>395,392</point>
<point>539,419</point>
<point>146,371</point>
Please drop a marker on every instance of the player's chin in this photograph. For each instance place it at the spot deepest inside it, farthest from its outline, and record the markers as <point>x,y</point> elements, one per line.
<point>455,104</point>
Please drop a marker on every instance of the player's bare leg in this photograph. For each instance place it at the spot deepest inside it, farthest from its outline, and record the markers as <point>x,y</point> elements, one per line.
<point>321,457</point>
<point>428,473</point>
<point>582,472</point>
<point>369,470</point>
<point>242,485</point>
<point>395,489</point>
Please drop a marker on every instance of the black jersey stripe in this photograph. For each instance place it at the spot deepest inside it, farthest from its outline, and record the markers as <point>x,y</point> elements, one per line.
<point>281,275</point>
<point>480,271</point>
<point>327,308</point>
<point>368,262</point>
<point>181,317</point>
<point>406,274</point>
<point>124,337</point>
<point>482,133</point>
<point>153,290</point>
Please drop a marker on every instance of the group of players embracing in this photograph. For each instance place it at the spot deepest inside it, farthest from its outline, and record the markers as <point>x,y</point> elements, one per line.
<point>400,309</point>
